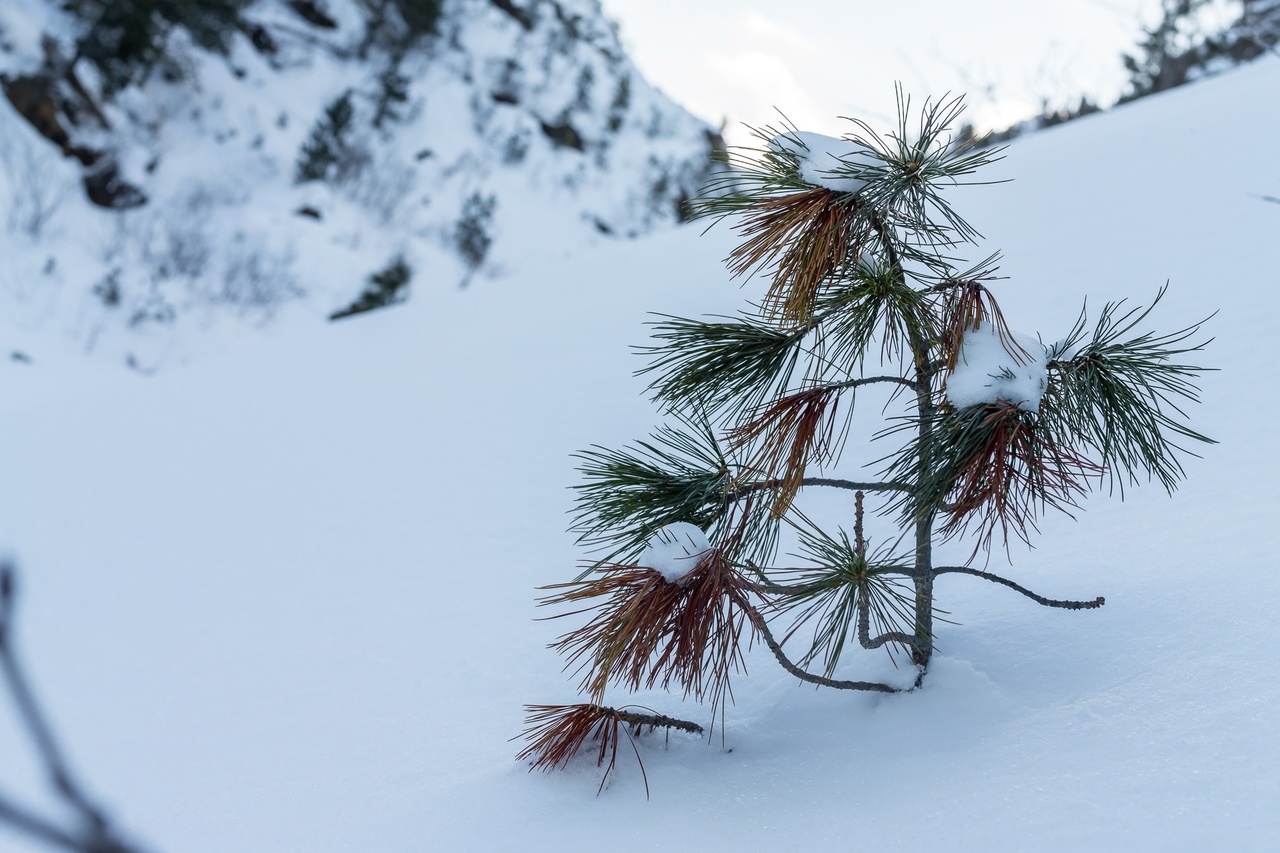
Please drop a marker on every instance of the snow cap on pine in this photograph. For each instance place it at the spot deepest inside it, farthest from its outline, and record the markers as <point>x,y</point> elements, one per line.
<point>675,550</point>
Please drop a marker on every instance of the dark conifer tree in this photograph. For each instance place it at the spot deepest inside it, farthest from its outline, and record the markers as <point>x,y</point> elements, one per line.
<point>328,144</point>
<point>125,39</point>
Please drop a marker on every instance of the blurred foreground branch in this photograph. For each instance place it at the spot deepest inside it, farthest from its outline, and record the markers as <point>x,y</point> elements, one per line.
<point>94,833</point>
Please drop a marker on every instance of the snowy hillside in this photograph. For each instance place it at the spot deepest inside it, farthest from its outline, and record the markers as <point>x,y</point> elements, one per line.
<point>460,153</point>
<point>283,599</point>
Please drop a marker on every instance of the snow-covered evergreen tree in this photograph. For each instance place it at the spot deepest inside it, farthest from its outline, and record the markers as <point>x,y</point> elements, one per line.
<point>1186,43</point>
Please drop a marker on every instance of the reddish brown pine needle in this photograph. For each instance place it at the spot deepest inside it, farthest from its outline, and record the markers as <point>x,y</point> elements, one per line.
<point>812,238</point>
<point>969,304</point>
<point>1017,471</point>
<point>791,432</point>
<point>557,732</point>
<point>650,632</point>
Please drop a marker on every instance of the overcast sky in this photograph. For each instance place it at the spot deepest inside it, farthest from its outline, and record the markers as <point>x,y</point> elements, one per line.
<point>818,59</point>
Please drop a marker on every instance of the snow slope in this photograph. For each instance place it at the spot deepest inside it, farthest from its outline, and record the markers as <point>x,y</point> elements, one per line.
<point>283,599</point>
<point>516,124</point>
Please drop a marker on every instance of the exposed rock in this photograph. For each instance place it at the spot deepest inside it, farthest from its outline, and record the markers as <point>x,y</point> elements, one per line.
<point>313,14</point>
<point>564,135</point>
<point>106,188</point>
<point>33,98</point>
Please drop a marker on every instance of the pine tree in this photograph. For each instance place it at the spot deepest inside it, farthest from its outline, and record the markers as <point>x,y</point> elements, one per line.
<point>867,308</point>
<point>1256,31</point>
<point>1181,46</point>
<point>125,39</point>
<point>327,147</point>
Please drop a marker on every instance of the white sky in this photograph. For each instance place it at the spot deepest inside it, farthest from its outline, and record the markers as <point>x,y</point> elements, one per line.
<point>818,59</point>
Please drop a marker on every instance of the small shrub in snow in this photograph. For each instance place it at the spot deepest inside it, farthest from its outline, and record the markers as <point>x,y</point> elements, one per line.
<point>108,289</point>
<point>386,287</point>
<point>866,304</point>
<point>472,235</point>
<point>256,278</point>
<point>35,191</point>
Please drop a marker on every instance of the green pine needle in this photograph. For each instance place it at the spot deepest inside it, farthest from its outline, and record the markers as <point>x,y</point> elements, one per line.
<point>1123,394</point>
<point>679,475</point>
<point>830,595</point>
<point>710,365</point>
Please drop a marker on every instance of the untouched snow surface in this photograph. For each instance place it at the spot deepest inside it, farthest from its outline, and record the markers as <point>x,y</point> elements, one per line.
<point>283,599</point>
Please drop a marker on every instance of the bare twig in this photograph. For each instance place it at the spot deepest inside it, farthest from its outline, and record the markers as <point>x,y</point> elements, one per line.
<point>658,721</point>
<point>872,380</point>
<point>829,482</point>
<point>759,623</point>
<point>1039,599</point>
<point>864,631</point>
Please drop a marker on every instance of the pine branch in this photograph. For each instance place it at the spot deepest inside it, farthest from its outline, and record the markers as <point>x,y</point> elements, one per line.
<point>875,303</point>
<point>658,721</point>
<point>680,475</point>
<point>920,162</point>
<point>1121,393</point>
<point>1039,599</point>
<point>895,637</point>
<point>807,240</point>
<point>849,485</point>
<point>994,468</point>
<point>707,365</point>
<point>846,587</point>
<point>647,631</point>
<point>788,434</point>
<point>967,305</point>
<point>870,380</point>
<point>761,625</point>
<point>558,732</point>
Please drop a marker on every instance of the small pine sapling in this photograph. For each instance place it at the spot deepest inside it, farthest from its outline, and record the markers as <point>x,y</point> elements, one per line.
<point>987,429</point>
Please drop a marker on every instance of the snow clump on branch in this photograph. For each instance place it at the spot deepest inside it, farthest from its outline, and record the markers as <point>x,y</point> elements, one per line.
<point>994,366</point>
<point>675,550</point>
<point>825,161</point>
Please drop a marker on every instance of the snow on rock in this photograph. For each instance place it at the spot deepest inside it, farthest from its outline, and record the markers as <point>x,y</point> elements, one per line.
<point>826,161</point>
<point>675,550</point>
<point>986,370</point>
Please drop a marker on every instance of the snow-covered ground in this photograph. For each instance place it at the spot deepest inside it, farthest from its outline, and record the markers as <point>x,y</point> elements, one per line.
<point>283,599</point>
<point>223,247</point>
